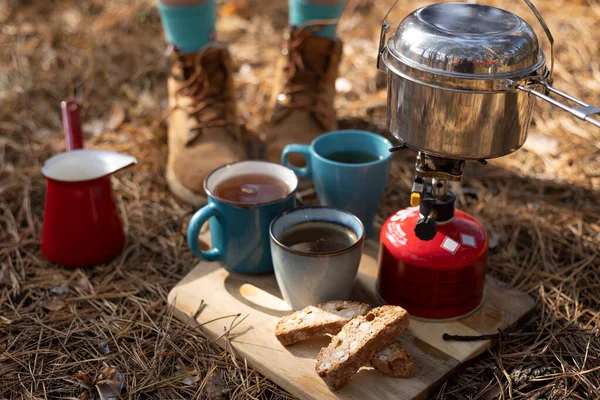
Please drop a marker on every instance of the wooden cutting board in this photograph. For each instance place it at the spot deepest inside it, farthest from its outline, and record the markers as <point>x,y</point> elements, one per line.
<point>215,297</point>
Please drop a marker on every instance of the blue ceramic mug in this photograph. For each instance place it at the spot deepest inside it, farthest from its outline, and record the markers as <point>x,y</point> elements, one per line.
<point>239,232</point>
<point>350,170</point>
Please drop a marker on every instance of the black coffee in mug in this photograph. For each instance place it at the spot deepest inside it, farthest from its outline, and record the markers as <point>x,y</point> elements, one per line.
<point>318,237</point>
<point>352,157</point>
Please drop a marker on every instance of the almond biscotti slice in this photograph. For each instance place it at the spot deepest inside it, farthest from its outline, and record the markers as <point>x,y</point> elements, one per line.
<point>319,320</point>
<point>393,360</point>
<point>356,343</point>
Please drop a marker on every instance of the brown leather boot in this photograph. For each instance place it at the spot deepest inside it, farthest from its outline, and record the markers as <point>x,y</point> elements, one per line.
<point>304,91</point>
<point>203,130</point>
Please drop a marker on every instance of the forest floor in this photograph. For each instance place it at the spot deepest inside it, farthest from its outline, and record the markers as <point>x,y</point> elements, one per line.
<point>62,331</point>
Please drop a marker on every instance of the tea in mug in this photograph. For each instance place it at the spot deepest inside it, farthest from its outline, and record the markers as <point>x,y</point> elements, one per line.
<point>252,189</point>
<point>352,157</point>
<point>318,237</point>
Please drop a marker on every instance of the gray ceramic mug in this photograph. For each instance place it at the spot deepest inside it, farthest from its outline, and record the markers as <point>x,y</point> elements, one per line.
<point>308,278</point>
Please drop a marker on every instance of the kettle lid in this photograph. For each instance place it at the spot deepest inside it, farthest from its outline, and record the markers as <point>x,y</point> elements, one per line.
<point>464,39</point>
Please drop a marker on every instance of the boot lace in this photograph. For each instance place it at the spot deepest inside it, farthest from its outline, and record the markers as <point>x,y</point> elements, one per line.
<point>304,88</point>
<point>205,86</point>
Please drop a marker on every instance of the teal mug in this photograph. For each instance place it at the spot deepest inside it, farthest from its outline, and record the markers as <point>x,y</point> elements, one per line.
<point>239,225</point>
<point>350,170</point>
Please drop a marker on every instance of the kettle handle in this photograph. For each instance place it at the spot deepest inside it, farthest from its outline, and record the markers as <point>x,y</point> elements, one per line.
<point>385,28</point>
<point>540,19</point>
<point>584,112</point>
<point>71,124</point>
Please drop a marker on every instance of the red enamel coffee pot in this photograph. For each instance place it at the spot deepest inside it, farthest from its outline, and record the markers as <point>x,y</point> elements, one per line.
<point>81,224</point>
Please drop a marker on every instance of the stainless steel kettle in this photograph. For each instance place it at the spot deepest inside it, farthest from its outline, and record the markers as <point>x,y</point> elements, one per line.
<point>462,80</point>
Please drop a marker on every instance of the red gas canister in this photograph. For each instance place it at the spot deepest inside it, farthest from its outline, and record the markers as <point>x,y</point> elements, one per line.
<point>439,278</point>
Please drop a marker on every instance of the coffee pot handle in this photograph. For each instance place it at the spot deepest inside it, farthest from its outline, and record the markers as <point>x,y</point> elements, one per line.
<point>194,228</point>
<point>71,124</point>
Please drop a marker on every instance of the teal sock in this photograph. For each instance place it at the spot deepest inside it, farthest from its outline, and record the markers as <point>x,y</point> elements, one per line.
<point>303,11</point>
<point>189,28</point>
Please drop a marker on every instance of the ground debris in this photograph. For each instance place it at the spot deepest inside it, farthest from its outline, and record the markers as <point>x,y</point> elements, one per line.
<point>104,348</point>
<point>189,376</point>
<point>53,304</point>
<point>522,375</point>
<point>542,145</point>
<point>7,369</point>
<point>215,386</point>
<point>116,116</point>
<point>84,379</point>
<point>58,290</point>
<point>110,383</point>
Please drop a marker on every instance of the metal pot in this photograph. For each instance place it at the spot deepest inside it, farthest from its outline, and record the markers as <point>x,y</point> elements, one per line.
<point>462,80</point>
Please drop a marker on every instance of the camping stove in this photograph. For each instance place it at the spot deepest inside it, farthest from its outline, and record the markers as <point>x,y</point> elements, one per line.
<point>432,257</point>
<point>462,82</point>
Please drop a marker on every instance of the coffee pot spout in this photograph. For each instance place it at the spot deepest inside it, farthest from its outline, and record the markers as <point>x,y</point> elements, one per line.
<point>85,164</point>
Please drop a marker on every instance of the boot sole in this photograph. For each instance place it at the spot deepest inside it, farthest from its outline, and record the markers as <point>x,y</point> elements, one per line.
<point>183,193</point>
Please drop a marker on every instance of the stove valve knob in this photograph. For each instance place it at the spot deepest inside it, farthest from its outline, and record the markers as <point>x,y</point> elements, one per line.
<point>415,192</point>
<point>415,199</point>
<point>426,228</point>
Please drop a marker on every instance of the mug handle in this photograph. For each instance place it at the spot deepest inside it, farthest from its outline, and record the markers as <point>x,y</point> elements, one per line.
<point>302,172</point>
<point>194,227</point>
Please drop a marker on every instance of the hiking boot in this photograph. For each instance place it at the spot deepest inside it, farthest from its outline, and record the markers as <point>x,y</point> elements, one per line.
<point>203,130</point>
<point>304,92</point>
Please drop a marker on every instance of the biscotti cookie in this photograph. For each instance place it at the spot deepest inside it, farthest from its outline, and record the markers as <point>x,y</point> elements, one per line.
<point>356,343</point>
<point>319,320</point>
<point>393,360</point>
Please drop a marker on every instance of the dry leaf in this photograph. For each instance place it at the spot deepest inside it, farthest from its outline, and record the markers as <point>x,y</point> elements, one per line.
<point>241,8</point>
<point>542,145</point>
<point>116,116</point>
<point>343,85</point>
<point>59,290</point>
<point>26,28</point>
<point>103,347</point>
<point>245,69</point>
<point>495,238</point>
<point>191,376</point>
<point>53,304</point>
<point>232,26</point>
<point>110,383</point>
<point>228,9</point>
<point>216,386</point>
<point>83,283</point>
<point>10,30</point>
<point>83,379</point>
<point>94,127</point>
<point>71,18</point>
